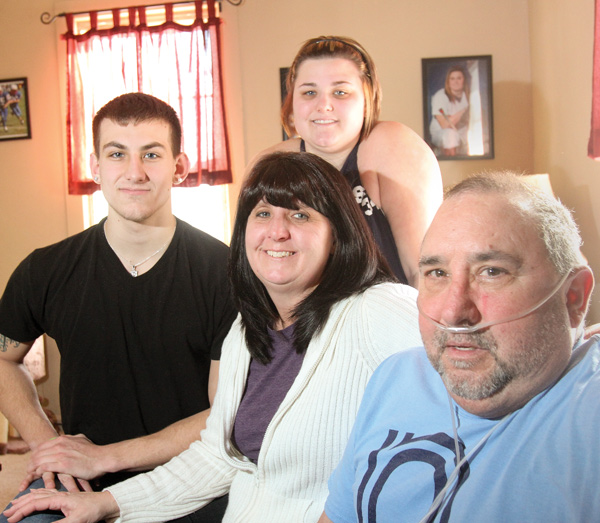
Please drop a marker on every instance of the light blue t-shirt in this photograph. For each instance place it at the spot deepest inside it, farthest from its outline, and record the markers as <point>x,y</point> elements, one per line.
<point>541,463</point>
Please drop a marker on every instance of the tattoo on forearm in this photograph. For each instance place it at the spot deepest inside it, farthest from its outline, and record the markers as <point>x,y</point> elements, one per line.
<point>6,342</point>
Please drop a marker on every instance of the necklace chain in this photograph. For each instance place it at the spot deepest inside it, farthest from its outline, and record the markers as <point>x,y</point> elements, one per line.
<point>133,271</point>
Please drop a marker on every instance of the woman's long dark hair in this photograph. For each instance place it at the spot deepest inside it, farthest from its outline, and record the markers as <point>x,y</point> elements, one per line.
<point>289,179</point>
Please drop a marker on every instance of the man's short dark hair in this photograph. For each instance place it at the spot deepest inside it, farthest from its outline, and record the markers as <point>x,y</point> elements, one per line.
<point>135,108</point>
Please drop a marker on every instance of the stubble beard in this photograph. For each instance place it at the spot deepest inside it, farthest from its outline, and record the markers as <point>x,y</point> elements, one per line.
<point>470,385</point>
<point>530,355</point>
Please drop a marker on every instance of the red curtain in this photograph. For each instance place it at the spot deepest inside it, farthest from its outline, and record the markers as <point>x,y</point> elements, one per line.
<point>594,142</point>
<point>179,64</point>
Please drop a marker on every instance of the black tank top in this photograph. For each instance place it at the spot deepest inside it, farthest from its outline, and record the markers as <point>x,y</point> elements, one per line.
<point>376,220</point>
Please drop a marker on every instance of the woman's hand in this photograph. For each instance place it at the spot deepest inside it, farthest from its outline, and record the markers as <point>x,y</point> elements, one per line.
<point>78,507</point>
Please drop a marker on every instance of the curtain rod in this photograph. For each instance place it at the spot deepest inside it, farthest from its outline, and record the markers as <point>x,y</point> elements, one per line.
<point>46,18</point>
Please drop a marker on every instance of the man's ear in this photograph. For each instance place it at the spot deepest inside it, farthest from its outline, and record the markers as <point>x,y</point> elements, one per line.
<point>578,294</point>
<point>95,167</point>
<point>182,168</point>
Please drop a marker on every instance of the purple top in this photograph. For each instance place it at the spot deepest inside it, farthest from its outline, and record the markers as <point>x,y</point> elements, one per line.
<point>266,387</point>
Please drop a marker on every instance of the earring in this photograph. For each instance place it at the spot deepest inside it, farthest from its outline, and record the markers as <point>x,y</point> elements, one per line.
<point>97,179</point>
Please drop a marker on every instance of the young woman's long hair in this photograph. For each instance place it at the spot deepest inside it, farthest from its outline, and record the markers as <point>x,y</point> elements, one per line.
<point>466,83</point>
<point>289,179</point>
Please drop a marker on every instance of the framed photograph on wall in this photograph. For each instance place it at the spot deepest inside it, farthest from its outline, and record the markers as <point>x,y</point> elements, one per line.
<point>458,118</point>
<point>14,109</point>
<point>283,72</point>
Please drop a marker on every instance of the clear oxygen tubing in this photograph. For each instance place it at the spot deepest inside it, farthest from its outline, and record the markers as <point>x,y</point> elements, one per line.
<point>469,329</point>
<point>579,352</point>
<point>443,494</point>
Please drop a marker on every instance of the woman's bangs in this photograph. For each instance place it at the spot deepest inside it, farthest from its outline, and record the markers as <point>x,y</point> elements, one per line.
<point>289,191</point>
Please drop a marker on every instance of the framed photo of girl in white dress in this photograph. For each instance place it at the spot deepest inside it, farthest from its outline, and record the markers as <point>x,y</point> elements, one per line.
<point>457,107</point>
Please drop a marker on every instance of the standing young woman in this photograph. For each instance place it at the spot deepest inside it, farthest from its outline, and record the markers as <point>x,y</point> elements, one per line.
<point>332,110</point>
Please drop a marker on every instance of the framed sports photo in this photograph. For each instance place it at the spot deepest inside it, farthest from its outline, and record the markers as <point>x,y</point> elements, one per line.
<point>14,109</point>
<point>458,115</point>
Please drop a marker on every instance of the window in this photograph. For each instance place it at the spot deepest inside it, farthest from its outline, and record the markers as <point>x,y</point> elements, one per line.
<point>169,51</point>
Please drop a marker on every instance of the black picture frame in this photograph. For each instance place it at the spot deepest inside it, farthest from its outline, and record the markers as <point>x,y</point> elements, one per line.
<point>283,72</point>
<point>465,129</point>
<point>14,109</point>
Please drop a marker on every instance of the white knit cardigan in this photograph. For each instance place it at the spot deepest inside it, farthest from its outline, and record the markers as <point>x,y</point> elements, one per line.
<point>306,438</point>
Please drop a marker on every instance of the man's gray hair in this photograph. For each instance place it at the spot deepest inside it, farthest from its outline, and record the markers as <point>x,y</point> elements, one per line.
<point>554,222</point>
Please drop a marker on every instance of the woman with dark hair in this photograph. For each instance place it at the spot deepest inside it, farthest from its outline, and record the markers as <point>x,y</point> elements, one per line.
<point>292,181</point>
<point>318,312</point>
<point>332,109</point>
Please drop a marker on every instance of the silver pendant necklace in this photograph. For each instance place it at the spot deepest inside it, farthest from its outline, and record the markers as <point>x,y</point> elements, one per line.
<point>133,271</point>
